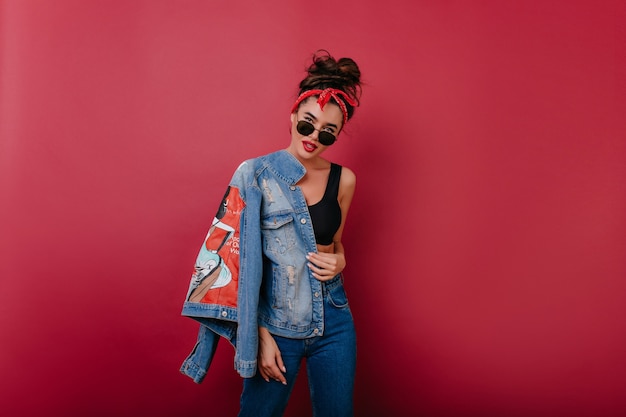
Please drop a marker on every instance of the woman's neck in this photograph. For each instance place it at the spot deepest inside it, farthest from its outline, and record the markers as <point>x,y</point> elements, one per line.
<point>314,163</point>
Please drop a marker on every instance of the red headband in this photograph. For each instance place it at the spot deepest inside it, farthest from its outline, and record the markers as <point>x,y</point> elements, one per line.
<point>324,96</point>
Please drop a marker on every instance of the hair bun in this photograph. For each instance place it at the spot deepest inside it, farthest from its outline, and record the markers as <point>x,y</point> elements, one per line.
<point>348,68</point>
<point>327,72</point>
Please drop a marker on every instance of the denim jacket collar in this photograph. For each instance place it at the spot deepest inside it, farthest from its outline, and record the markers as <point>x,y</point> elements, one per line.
<point>285,166</point>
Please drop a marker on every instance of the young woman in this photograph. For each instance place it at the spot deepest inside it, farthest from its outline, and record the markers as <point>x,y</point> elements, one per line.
<point>273,259</point>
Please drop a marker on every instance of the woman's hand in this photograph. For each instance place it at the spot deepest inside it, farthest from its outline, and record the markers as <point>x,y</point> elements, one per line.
<point>326,265</point>
<point>271,364</point>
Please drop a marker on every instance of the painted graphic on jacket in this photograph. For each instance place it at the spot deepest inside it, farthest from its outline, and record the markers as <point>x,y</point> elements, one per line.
<point>215,276</point>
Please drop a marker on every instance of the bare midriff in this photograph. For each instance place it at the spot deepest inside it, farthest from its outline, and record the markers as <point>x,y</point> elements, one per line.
<point>326,248</point>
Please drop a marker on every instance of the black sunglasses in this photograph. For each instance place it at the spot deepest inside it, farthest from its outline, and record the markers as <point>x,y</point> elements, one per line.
<point>306,128</point>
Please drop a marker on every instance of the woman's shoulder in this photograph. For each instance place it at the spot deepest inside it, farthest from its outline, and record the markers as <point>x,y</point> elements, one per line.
<point>246,171</point>
<point>348,177</point>
<point>346,172</point>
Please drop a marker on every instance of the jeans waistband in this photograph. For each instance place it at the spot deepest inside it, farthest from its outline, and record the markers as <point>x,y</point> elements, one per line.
<point>332,284</point>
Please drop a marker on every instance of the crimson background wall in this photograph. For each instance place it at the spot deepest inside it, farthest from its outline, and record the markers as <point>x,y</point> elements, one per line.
<point>486,243</point>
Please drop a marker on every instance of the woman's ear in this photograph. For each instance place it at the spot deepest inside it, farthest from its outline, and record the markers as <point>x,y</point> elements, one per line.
<point>293,117</point>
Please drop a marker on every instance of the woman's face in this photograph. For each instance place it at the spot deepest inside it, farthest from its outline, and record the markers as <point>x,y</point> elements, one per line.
<point>329,120</point>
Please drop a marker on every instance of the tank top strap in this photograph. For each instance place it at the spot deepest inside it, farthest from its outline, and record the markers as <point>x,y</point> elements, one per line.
<point>332,188</point>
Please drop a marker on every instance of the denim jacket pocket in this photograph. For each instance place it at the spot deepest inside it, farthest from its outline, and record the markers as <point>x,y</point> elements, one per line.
<point>279,234</point>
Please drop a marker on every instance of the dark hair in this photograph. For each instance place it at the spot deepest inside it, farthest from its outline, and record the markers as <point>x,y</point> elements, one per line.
<point>326,72</point>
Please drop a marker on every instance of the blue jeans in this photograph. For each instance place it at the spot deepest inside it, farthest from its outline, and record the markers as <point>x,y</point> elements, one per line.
<point>331,364</point>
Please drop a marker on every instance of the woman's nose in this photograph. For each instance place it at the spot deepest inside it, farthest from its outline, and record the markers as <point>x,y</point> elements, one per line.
<point>314,134</point>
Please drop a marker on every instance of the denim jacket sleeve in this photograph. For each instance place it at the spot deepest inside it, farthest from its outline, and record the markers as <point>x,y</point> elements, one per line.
<point>224,290</point>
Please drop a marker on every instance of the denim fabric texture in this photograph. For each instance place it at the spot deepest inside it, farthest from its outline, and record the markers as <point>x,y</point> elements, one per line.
<point>198,362</point>
<point>330,365</point>
<point>276,289</point>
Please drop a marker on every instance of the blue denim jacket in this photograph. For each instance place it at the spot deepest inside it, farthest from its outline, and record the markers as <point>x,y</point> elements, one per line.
<point>266,236</point>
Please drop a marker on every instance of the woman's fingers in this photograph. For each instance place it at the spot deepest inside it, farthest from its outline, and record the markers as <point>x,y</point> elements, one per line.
<point>273,372</point>
<point>323,266</point>
<point>278,367</point>
<point>271,365</point>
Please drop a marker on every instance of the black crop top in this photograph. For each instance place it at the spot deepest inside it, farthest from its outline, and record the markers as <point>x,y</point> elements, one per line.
<point>326,214</point>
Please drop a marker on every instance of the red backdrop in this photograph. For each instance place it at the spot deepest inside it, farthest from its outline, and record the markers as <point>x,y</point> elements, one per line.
<point>487,239</point>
